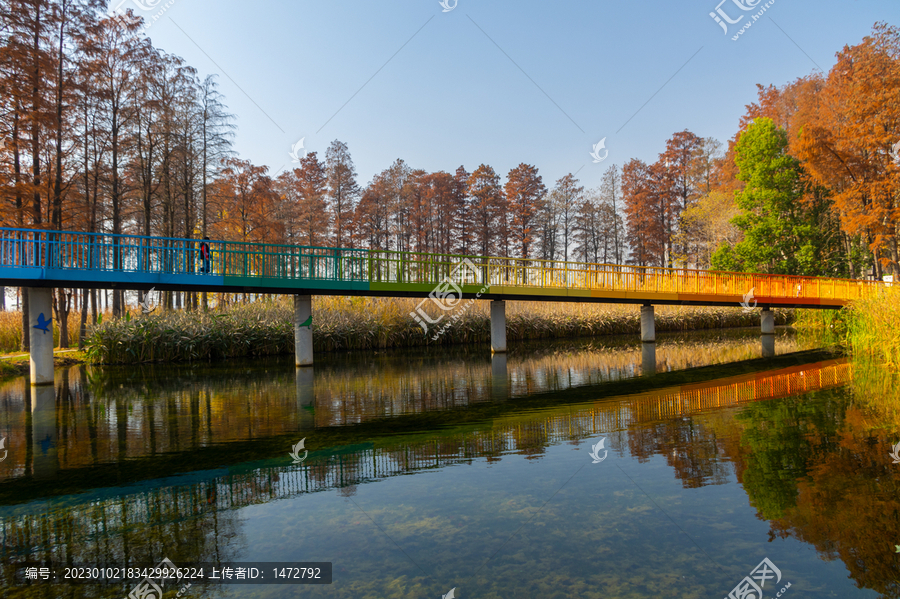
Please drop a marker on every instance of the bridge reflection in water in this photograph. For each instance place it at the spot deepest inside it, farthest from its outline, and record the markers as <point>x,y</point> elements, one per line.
<point>193,514</point>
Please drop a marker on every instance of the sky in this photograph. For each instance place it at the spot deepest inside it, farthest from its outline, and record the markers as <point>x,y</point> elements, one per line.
<point>496,82</point>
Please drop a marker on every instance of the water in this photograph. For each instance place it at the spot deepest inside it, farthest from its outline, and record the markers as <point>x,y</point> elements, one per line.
<point>432,470</point>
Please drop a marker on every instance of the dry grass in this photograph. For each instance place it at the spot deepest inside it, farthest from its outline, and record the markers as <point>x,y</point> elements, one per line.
<point>11,331</point>
<point>345,323</point>
<point>873,327</point>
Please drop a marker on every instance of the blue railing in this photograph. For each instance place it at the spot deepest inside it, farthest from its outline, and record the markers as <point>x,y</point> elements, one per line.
<point>27,248</point>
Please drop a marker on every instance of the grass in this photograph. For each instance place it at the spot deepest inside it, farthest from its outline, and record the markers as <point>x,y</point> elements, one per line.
<point>11,331</point>
<point>872,327</point>
<point>360,323</point>
<point>869,327</point>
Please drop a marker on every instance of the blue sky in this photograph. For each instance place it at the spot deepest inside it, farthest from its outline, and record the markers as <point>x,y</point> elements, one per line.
<point>497,82</point>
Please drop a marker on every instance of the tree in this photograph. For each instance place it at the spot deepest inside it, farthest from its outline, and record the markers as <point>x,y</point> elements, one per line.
<point>114,51</point>
<point>462,217</point>
<point>246,197</point>
<point>371,215</point>
<point>779,237</point>
<point>645,226</point>
<point>708,225</point>
<point>567,196</point>
<point>610,190</point>
<point>487,204</point>
<point>680,158</point>
<point>846,140</point>
<point>303,202</point>
<point>443,209</point>
<point>343,190</point>
<point>588,233</point>
<point>525,193</point>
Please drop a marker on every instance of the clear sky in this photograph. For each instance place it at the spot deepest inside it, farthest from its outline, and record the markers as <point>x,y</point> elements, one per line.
<point>497,82</point>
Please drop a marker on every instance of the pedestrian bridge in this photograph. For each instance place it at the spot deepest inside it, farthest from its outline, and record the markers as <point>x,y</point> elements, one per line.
<point>91,260</point>
<point>40,260</point>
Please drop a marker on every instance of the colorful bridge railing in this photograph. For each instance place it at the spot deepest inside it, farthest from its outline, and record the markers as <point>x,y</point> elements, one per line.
<point>134,261</point>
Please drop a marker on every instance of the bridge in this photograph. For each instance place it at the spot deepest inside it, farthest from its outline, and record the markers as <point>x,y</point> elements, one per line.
<point>41,260</point>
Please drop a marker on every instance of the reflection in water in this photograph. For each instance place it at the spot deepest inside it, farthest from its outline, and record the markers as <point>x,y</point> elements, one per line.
<point>499,377</point>
<point>648,359</point>
<point>194,467</point>
<point>768,346</point>
<point>43,431</point>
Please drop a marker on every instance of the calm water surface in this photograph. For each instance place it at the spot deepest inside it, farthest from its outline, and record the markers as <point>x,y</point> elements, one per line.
<point>445,468</point>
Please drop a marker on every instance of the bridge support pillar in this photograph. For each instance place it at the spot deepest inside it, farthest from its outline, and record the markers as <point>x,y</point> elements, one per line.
<point>648,326</point>
<point>498,327</point>
<point>767,317</point>
<point>40,315</point>
<point>303,338</point>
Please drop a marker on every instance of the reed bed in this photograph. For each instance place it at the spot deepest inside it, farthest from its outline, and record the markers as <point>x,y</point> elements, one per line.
<point>11,331</point>
<point>359,323</point>
<point>873,327</point>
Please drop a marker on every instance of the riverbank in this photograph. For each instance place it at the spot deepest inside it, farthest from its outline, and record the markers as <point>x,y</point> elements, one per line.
<point>359,323</point>
<point>18,364</point>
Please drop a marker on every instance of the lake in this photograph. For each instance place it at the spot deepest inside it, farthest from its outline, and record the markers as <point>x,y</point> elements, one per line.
<point>576,469</point>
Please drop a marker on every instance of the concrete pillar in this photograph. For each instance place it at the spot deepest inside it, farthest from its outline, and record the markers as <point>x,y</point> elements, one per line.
<point>648,326</point>
<point>768,346</point>
<point>498,327</point>
<point>306,398</point>
<point>499,378</point>
<point>303,339</point>
<point>768,321</point>
<point>648,359</point>
<point>40,314</point>
<point>43,432</point>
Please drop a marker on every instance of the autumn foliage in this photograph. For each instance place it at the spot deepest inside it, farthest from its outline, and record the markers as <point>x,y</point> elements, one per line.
<point>102,132</point>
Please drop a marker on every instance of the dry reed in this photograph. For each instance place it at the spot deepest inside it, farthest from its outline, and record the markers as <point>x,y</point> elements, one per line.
<point>347,323</point>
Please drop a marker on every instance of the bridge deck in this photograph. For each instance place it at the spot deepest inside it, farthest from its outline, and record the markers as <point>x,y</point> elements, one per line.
<point>69,259</point>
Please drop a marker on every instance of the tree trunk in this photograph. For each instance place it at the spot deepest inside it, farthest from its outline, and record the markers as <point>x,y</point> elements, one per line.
<point>62,303</point>
<point>82,330</point>
<point>26,330</point>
